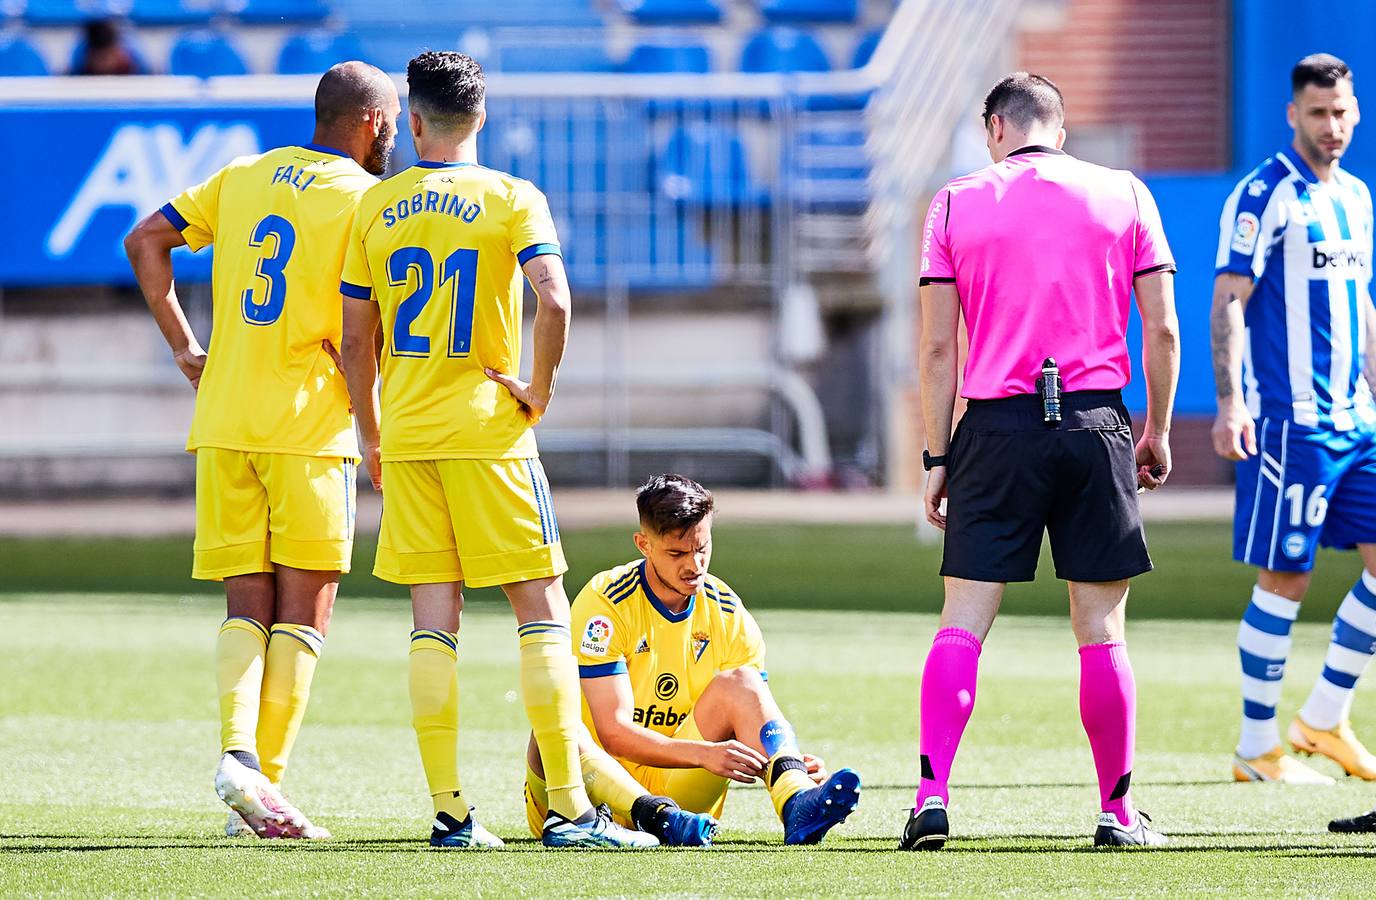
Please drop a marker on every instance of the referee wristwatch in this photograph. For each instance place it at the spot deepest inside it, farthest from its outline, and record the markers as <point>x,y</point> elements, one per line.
<point>930,462</point>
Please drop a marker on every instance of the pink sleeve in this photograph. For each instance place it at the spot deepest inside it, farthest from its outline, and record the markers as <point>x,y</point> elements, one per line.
<point>1152,253</point>
<point>936,250</point>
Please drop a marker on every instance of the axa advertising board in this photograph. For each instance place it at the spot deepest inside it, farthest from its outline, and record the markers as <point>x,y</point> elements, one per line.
<point>80,177</point>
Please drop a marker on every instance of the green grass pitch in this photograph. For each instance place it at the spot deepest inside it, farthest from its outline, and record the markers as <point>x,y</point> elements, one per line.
<point>107,734</point>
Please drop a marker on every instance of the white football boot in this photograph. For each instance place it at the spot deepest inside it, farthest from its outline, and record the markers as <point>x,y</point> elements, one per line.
<point>236,827</point>
<point>260,805</point>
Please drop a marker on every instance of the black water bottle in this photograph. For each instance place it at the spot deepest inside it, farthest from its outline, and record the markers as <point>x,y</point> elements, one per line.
<point>1049,386</point>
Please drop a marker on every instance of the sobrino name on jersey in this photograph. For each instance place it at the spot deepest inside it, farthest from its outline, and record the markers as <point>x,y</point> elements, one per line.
<point>440,203</point>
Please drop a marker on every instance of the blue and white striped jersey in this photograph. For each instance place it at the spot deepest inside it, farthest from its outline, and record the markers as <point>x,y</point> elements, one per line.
<point>1308,245</point>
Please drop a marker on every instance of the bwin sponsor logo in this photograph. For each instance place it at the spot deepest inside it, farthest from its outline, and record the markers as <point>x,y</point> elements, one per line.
<point>1340,259</point>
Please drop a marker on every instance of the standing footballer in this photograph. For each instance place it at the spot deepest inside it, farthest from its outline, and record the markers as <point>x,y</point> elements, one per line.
<point>1291,322</point>
<point>436,260</point>
<point>273,437</point>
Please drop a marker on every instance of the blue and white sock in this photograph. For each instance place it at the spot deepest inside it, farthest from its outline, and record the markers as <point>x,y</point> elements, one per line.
<point>1263,642</point>
<point>1352,646</point>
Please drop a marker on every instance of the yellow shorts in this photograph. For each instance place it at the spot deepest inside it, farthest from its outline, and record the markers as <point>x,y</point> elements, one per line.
<point>696,790</point>
<point>257,509</point>
<point>484,522</point>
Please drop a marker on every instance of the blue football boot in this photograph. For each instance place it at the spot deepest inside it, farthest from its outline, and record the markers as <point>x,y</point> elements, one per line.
<point>810,814</point>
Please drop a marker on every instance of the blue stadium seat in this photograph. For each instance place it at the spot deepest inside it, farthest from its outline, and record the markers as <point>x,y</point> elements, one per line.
<point>570,57</point>
<point>659,58</point>
<point>19,58</point>
<point>205,54</point>
<point>59,12</point>
<point>277,12</point>
<point>864,51</point>
<point>172,12</point>
<point>705,165</point>
<point>312,52</point>
<point>783,49</point>
<point>809,10</point>
<point>436,23</point>
<point>673,12</point>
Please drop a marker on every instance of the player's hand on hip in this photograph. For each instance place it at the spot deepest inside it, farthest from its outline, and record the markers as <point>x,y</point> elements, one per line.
<point>1235,433</point>
<point>1153,461</point>
<point>333,354</point>
<point>372,463</point>
<point>532,405</point>
<point>733,760</point>
<point>816,769</point>
<point>192,363</point>
<point>936,493</point>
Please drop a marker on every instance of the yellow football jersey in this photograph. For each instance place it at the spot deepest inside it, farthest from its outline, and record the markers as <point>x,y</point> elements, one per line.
<point>619,625</point>
<point>440,247</point>
<point>280,222</point>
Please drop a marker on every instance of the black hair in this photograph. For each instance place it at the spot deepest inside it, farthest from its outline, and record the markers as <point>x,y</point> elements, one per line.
<point>1319,69</point>
<point>1024,99</point>
<point>671,504</point>
<point>349,89</point>
<point>101,33</point>
<point>447,88</point>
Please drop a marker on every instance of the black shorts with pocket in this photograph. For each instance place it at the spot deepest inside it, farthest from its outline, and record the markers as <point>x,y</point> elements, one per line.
<point>1010,477</point>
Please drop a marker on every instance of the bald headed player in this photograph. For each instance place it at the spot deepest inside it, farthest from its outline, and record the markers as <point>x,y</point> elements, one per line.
<point>674,688</point>
<point>272,432</point>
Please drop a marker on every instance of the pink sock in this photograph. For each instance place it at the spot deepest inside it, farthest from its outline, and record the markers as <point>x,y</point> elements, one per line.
<point>1108,709</point>
<point>948,697</point>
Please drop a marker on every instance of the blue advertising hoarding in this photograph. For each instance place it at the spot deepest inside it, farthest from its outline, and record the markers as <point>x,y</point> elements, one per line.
<point>88,173</point>
<point>82,176</point>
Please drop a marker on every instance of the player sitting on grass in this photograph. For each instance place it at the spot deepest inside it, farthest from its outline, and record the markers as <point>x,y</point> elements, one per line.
<point>674,686</point>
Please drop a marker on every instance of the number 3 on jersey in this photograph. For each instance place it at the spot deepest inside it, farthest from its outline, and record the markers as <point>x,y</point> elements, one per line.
<point>460,271</point>
<point>271,269</point>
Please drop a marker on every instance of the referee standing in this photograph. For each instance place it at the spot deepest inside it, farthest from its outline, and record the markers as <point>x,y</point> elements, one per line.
<point>1040,253</point>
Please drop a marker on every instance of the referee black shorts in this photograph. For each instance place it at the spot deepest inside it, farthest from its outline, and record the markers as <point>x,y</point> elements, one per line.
<point>1010,477</point>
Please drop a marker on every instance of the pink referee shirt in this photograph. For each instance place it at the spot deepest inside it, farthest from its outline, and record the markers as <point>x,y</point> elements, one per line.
<point>1042,249</point>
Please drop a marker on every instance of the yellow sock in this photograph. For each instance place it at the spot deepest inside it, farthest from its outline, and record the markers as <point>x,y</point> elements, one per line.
<point>293,651</point>
<point>549,686</point>
<point>435,716</point>
<point>239,652</point>
<point>608,782</point>
<point>785,784</point>
<point>537,801</point>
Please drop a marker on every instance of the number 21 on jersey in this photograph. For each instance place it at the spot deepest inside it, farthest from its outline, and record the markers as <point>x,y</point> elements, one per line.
<point>459,271</point>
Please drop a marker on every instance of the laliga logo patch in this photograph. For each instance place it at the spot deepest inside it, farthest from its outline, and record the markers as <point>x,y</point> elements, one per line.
<point>1245,233</point>
<point>666,686</point>
<point>700,642</point>
<point>1294,545</point>
<point>597,636</point>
